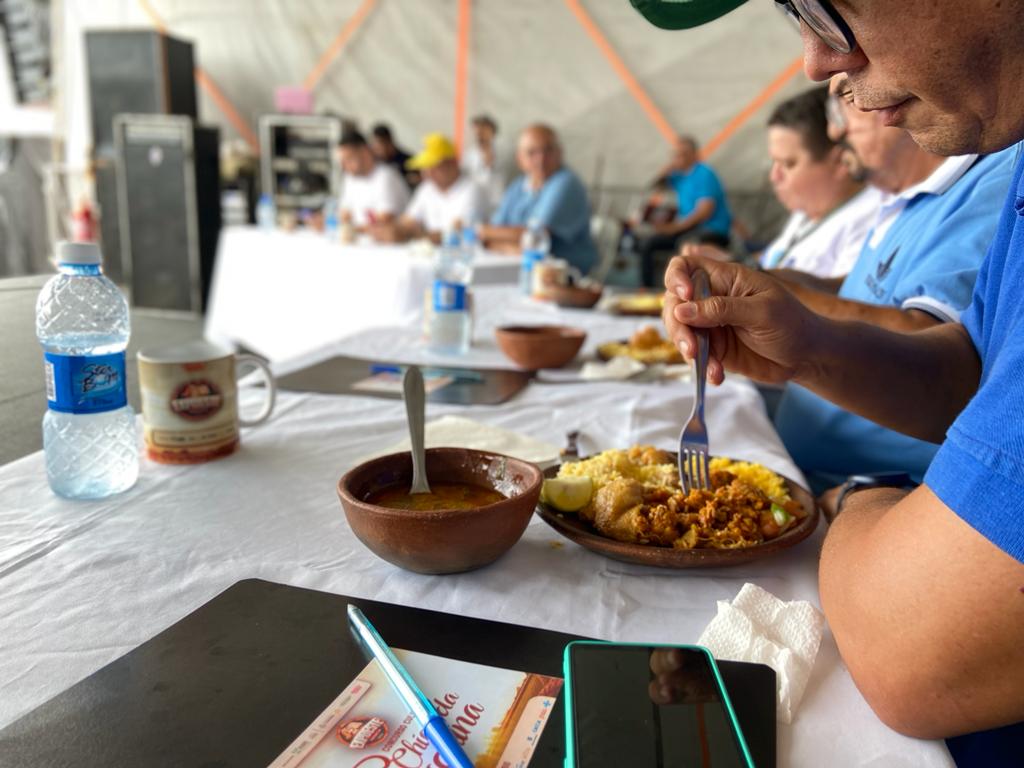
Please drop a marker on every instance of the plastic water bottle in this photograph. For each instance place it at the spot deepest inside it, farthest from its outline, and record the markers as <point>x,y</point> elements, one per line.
<point>266,215</point>
<point>450,326</point>
<point>332,224</point>
<point>471,248</point>
<point>535,245</point>
<point>89,433</point>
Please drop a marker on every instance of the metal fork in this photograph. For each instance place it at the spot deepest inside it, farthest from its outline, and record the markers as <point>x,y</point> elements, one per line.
<point>693,442</point>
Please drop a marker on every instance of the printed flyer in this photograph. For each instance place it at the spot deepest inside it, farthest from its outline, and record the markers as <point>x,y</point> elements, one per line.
<point>497,715</point>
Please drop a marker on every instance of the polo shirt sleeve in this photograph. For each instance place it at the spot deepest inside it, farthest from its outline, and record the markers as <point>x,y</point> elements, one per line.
<point>979,470</point>
<point>563,207</point>
<point>706,185</point>
<point>942,284</point>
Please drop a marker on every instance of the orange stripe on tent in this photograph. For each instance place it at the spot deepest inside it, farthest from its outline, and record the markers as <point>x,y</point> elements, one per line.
<point>338,43</point>
<point>227,108</point>
<point>755,104</point>
<point>461,70</point>
<point>210,87</point>
<point>153,16</point>
<point>631,83</point>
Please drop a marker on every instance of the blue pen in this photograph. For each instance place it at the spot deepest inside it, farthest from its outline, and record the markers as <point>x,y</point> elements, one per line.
<point>433,724</point>
<point>462,375</point>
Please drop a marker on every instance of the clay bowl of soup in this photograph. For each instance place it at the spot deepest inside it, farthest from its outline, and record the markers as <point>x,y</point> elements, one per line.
<point>480,504</point>
<point>539,346</point>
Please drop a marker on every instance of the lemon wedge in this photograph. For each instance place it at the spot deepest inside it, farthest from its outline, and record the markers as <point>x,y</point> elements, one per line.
<point>567,494</point>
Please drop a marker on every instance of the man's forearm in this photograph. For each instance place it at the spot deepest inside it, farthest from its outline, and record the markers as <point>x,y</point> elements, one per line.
<point>499,235</point>
<point>791,277</point>
<point>915,383</point>
<point>893,318</point>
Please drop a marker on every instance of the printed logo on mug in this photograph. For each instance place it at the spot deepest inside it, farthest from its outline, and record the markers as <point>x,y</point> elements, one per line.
<point>190,401</point>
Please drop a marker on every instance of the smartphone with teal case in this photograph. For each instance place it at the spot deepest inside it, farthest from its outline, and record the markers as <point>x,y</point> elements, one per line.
<point>643,705</point>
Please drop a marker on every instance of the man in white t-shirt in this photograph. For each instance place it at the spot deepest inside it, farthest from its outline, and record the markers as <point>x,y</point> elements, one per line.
<point>445,198</point>
<point>481,163</point>
<point>371,192</point>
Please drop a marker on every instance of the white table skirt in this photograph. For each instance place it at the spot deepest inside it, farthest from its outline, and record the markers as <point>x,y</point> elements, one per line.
<point>82,583</point>
<point>283,294</point>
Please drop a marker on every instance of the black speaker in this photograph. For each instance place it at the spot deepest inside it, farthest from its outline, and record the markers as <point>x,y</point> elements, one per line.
<point>168,189</point>
<point>137,72</point>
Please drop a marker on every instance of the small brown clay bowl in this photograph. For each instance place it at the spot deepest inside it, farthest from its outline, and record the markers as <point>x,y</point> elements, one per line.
<point>540,346</point>
<point>573,296</point>
<point>442,541</point>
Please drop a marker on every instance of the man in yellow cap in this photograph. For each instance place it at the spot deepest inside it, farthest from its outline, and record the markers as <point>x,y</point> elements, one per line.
<point>444,198</point>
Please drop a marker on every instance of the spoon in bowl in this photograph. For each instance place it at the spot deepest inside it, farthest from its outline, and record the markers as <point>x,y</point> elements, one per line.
<point>415,403</point>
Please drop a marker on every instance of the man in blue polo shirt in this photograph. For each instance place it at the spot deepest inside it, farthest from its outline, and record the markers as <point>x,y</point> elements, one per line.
<point>916,269</point>
<point>548,193</point>
<point>923,591</point>
<point>703,213</point>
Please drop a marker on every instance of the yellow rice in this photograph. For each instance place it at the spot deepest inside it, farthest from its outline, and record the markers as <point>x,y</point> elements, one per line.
<point>612,464</point>
<point>757,475</point>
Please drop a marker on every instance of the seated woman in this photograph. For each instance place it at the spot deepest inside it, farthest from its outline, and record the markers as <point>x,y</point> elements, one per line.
<point>832,212</point>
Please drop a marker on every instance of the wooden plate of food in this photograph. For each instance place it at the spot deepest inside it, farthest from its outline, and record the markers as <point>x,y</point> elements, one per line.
<point>652,534</point>
<point>637,304</point>
<point>646,345</point>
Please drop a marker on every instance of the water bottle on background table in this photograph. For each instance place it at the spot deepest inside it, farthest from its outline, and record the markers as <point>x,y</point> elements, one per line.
<point>450,327</point>
<point>471,247</point>
<point>82,322</point>
<point>535,245</point>
<point>266,214</point>
<point>332,224</point>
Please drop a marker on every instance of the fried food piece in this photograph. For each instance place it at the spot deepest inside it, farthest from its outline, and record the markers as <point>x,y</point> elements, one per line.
<point>649,456</point>
<point>618,510</point>
<point>646,338</point>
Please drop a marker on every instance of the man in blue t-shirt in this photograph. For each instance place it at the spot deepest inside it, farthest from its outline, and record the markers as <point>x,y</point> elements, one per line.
<point>923,590</point>
<point>703,213</point>
<point>916,269</point>
<point>548,193</point>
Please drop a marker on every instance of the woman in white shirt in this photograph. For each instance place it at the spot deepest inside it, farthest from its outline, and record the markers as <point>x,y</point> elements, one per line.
<point>832,211</point>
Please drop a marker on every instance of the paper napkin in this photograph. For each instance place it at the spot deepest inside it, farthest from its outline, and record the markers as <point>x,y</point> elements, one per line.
<point>458,432</point>
<point>757,626</point>
<point>618,368</point>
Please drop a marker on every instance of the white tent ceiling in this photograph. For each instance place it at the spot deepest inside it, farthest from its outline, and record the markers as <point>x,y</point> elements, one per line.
<point>528,60</point>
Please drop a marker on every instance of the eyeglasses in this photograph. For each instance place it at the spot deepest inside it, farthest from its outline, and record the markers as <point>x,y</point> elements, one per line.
<point>823,20</point>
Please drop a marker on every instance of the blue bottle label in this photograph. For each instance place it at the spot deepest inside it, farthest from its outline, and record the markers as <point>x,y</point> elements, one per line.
<point>85,384</point>
<point>449,297</point>
<point>530,258</point>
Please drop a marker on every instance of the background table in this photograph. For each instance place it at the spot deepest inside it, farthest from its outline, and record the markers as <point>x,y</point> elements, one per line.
<point>285,293</point>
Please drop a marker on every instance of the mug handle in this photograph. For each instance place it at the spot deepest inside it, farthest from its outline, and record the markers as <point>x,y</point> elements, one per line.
<point>268,377</point>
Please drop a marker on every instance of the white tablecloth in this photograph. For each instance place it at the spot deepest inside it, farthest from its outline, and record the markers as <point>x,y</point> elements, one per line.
<point>82,583</point>
<point>285,293</point>
<point>493,306</point>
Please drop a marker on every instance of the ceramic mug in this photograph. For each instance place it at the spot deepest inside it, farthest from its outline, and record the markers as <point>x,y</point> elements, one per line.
<point>190,401</point>
<point>552,273</point>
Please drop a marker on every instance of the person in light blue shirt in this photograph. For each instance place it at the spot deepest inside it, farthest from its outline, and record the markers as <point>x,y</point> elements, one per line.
<point>918,268</point>
<point>703,213</point>
<point>548,193</point>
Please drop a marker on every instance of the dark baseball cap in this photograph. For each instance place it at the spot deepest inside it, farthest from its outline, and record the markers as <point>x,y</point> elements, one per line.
<point>683,14</point>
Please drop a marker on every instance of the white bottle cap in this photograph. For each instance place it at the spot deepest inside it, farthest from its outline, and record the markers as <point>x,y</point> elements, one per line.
<point>78,253</point>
